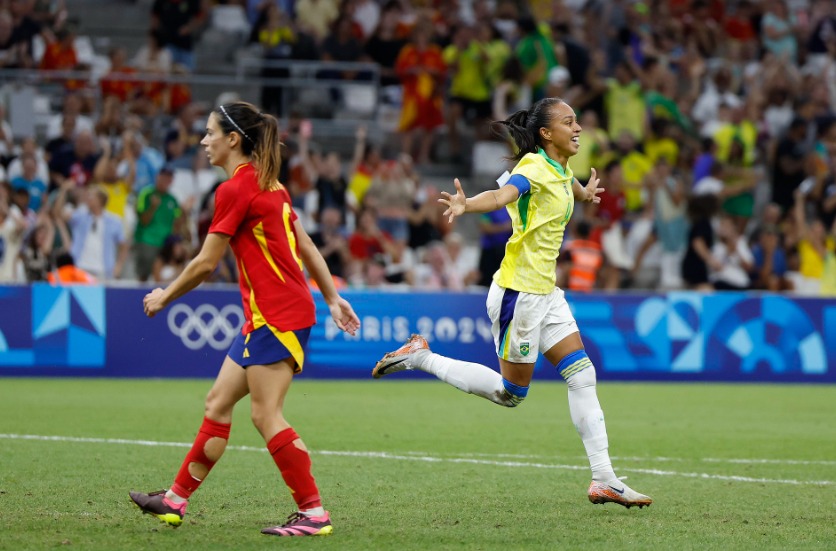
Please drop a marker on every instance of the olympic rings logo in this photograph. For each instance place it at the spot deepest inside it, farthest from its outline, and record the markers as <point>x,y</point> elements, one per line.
<point>206,325</point>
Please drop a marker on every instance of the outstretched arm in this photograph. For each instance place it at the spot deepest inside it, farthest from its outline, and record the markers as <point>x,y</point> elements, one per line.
<point>193,275</point>
<point>590,192</point>
<point>341,310</point>
<point>487,201</point>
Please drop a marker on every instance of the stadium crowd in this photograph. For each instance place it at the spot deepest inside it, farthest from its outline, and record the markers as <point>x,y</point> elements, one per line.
<point>712,125</point>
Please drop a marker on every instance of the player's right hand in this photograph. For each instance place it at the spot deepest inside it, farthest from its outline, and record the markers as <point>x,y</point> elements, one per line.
<point>455,203</point>
<point>153,302</point>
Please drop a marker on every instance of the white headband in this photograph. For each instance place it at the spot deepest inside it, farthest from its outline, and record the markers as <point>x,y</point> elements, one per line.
<point>223,110</point>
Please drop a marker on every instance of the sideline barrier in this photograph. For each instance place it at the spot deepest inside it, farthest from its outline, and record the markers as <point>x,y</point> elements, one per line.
<point>102,332</point>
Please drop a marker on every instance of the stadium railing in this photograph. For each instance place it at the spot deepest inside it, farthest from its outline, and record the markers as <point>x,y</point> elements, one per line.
<point>312,89</point>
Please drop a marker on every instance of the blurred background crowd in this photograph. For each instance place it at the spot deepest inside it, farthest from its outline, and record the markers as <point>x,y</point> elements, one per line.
<point>711,124</point>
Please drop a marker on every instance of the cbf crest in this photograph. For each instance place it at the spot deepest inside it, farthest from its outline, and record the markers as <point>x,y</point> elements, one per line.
<point>525,348</point>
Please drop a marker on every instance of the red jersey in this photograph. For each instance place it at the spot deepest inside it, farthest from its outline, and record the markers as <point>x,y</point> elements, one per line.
<point>422,90</point>
<point>115,84</point>
<point>273,286</point>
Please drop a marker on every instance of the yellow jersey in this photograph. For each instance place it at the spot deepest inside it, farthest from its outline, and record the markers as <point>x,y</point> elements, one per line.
<point>538,219</point>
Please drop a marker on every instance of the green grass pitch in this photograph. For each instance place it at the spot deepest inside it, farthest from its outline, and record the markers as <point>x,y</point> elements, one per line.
<point>418,465</point>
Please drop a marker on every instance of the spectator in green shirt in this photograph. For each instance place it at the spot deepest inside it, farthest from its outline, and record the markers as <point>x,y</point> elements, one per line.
<point>536,53</point>
<point>158,213</point>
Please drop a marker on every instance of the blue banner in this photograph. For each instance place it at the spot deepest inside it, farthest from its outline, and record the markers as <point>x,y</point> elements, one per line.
<point>102,332</point>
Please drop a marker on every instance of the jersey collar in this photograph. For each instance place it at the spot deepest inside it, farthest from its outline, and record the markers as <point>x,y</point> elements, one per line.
<point>555,164</point>
<point>239,167</point>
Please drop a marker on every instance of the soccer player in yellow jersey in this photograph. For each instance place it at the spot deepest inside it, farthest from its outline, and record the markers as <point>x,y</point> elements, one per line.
<point>529,314</point>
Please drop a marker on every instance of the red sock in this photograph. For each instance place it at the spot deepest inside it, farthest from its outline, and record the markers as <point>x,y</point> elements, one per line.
<point>185,483</point>
<point>295,466</point>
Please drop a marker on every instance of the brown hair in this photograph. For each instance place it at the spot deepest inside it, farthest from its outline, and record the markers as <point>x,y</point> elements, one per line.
<point>259,134</point>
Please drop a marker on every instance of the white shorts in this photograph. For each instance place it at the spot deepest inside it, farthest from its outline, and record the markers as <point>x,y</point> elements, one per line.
<point>524,324</point>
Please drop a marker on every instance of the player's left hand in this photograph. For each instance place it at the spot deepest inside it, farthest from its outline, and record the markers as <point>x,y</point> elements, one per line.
<point>592,189</point>
<point>344,316</point>
<point>153,302</point>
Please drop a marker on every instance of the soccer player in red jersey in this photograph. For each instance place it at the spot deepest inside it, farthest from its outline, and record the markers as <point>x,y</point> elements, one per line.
<point>254,216</point>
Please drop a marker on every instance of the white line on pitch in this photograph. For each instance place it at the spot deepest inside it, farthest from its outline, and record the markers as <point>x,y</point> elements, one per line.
<point>414,457</point>
<point>657,459</point>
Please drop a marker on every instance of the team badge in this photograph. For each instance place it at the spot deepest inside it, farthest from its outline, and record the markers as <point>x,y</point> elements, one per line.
<point>525,348</point>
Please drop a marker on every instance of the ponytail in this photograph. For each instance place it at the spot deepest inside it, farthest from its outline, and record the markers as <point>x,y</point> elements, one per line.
<point>524,126</point>
<point>267,155</point>
<point>259,138</point>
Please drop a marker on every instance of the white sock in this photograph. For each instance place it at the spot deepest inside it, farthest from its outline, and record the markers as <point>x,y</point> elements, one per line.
<point>175,498</point>
<point>588,418</point>
<point>315,512</point>
<point>468,377</point>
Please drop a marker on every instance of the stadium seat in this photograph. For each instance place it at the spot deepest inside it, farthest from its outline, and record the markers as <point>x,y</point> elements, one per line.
<point>230,19</point>
<point>489,158</point>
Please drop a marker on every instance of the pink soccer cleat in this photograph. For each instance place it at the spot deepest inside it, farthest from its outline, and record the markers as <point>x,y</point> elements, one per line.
<point>302,525</point>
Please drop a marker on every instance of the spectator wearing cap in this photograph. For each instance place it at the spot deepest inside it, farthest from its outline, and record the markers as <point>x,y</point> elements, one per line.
<point>159,214</point>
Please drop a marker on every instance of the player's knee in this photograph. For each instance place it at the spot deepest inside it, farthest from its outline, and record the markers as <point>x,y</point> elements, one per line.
<point>259,417</point>
<point>513,394</point>
<point>577,369</point>
<point>582,379</point>
<point>215,407</point>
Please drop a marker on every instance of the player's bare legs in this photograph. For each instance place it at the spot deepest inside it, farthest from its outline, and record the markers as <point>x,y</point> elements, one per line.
<point>269,385</point>
<point>230,386</point>
<point>170,505</point>
<point>518,373</point>
<point>574,365</point>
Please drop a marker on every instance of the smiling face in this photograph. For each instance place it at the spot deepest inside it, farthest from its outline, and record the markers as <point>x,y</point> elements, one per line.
<point>215,142</point>
<point>563,132</point>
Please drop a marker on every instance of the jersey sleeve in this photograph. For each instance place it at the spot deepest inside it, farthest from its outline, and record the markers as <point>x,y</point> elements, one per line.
<point>520,182</point>
<point>525,174</point>
<point>142,200</point>
<point>230,210</point>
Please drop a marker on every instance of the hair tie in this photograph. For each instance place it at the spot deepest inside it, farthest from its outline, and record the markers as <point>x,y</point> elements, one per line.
<point>225,114</point>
